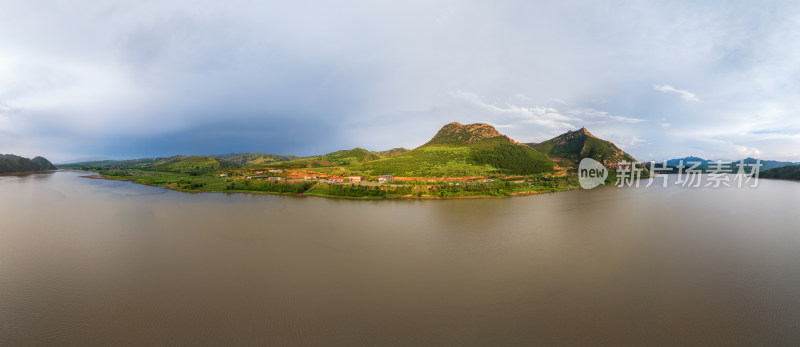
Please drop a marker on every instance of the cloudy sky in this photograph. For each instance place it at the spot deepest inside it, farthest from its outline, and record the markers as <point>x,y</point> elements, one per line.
<point>104,79</point>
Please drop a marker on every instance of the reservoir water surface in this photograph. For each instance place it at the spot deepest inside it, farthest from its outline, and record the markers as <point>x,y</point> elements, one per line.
<point>96,262</point>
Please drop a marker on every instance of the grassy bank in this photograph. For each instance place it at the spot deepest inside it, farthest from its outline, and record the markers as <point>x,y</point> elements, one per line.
<point>416,189</point>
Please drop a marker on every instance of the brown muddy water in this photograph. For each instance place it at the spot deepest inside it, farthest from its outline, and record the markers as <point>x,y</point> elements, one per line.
<point>95,262</point>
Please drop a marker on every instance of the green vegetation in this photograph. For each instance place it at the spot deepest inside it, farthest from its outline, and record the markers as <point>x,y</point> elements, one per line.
<point>172,180</point>
<point>503,188</point>
<point>472,160</point>
<point>390,153</point>
<point>788,172</point>
<point>417,189</point>
<point>458,189</point>
<point>270,186</point>
<point>458,134</point>
<point>432,161</point>
<point>492,156</point>
<point>509,158</point>
<point>461,161</point>
<point>568,149</point>
<point>359,191</point>
<point>244,159</point>
<point>14,163</point>
<point>340,158</point>
<point>192,165</point>
<point>182,163</point>
<point>108,164</point>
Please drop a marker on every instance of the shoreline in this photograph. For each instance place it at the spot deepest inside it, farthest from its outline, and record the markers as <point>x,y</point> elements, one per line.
<point>168,187</point>
<point>19,173</point>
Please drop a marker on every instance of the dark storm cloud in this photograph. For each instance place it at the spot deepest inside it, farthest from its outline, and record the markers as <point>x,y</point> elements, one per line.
<point>280,136</point>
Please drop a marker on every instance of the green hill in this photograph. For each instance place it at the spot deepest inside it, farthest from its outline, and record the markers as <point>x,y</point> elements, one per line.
<point>788,172</point>
<point>390,153</point>
<point>352,156</point>
<point>178,163</point>
<point>569,148</point>
<point>463,150</point>
<point>14,163</point>
<point>193,163</point>
<point>341,158</point>
<point>244,159</point>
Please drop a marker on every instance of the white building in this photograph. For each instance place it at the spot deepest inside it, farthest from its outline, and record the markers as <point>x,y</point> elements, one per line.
<point>385,179</point>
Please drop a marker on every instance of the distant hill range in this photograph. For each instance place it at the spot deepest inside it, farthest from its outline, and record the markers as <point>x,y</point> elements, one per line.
<point>341,158</point>
<point>14,163</point>
<point>569,148</point>
<point>178,163</point>
<point>705,163</point>
<point>243,159</point>
<point>456,150</point>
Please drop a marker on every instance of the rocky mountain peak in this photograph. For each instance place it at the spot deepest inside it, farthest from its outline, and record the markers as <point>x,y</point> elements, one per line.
<point>570,135</point>
<point>457,133</point>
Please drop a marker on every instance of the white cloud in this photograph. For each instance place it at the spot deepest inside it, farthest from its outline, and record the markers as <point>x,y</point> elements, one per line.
<point>540,115</point>
<point>545,115</point>
<point>685,94</point>
<point>634,142</point>
<point>748,151</point>
<point>502,126</point>
<point>535,123</point>
<point>665,125</point>
<point>5,108</point>
<point>727,150</point>
<point>592,113</point>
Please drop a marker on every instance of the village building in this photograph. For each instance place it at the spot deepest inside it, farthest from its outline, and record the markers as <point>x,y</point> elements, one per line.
<point>336,180</point>
<point>354,179</point>
<point>385,179</point>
